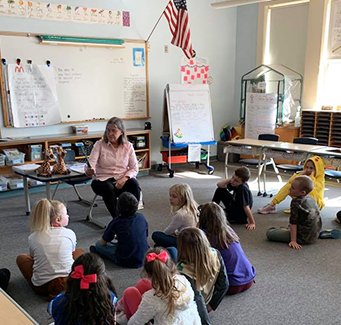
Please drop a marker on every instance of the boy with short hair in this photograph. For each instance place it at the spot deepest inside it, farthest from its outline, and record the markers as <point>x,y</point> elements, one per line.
<point>305,220</point>
<point>131,231</point>
<point>237,204</point>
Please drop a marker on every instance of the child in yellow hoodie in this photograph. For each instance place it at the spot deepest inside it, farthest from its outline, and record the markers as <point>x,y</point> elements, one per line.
<point>314,168</point>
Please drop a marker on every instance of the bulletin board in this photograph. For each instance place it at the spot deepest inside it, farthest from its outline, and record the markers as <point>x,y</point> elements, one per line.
<point>93,83</point>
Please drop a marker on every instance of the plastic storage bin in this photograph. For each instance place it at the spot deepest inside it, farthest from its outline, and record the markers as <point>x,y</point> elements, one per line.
<point>2,159</point>
<point>15,160</point>
<point>14,182</point>
<point>3,184</point>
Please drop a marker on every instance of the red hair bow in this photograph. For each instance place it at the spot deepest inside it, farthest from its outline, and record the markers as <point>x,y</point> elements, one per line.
<point>78,273</point>
<point>162,257</point>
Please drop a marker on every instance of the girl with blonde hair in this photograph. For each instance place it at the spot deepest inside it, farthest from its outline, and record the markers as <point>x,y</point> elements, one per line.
<point>169,299</point>
<point>52,249</point>
<point>240,272</point>
<point>203,265</point>
<point>184,212</point>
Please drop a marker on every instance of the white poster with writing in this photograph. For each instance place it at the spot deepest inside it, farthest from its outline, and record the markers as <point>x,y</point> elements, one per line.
<point>190,113</point>
<point>261,111</point>
<point>33,95</point>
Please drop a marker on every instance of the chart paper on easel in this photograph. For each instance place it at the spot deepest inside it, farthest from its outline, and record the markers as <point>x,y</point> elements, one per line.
<point>261,111</point>
<point>190,114</point>
<point>33,95</point>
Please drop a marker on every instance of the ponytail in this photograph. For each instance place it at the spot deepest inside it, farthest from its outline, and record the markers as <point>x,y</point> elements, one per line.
<point>162,273</point>
<point>44,214</point>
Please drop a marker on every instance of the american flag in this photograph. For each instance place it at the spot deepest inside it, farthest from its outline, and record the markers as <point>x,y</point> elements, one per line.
<point>177,16</point>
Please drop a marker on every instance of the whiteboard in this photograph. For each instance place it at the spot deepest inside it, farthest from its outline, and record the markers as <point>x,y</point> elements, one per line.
<point>189,113</point>
<point>93,83</point>
<point>261,114</point>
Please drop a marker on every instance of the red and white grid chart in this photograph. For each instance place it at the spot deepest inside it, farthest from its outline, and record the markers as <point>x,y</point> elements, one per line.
<point>194,71</point>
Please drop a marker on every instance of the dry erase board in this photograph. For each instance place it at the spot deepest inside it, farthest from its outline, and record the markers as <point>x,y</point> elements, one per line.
<point>189,113</point>
<point>92,82</point>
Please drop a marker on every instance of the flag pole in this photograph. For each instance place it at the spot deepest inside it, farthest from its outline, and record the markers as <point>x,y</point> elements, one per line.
<point>156,23</point>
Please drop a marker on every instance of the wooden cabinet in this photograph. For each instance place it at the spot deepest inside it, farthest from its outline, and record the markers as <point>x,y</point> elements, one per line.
<point>46,141</point>
<point>323,125</point>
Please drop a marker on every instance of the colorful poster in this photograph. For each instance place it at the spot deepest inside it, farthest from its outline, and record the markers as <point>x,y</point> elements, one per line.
<point>194,71</point>
<point>62,12</point>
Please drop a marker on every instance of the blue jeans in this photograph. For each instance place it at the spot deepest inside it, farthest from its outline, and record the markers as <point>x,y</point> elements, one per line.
<point>161,239</point>
<point>109,250</point>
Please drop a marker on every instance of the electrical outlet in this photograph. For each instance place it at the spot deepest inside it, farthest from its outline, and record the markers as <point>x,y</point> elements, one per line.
<point>166,49</point>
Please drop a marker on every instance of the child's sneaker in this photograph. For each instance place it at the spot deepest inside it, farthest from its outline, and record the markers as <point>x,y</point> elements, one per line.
<point>267,209</point>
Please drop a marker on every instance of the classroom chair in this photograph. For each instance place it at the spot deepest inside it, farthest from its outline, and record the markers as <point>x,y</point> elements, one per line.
<point>296,168</point>
<point>263,163</point>
<point>334,174</point>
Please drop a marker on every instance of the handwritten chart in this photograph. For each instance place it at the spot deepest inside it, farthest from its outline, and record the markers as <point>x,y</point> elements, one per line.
<point>190,113</point>
<point>33,95</point>
<point>335,30</point>
<point>261,111</point>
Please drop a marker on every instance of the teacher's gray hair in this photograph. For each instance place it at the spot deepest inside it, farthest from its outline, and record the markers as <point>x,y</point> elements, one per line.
<point>118,123</point>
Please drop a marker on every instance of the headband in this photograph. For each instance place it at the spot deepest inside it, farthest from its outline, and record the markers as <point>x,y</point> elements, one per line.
<point>162,257</point>
<point>78,273</point>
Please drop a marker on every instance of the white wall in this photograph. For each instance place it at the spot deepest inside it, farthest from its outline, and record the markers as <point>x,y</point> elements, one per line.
<point>213,36</point>
<point>246,47</point>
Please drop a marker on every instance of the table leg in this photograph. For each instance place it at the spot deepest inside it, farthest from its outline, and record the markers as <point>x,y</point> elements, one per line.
<point>48,190</point>
<point>27,196</point>
<point>260,168</point>
<point>226,164</point>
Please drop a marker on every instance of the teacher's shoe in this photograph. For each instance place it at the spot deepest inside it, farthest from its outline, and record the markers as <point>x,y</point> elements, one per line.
<point>267,209</point>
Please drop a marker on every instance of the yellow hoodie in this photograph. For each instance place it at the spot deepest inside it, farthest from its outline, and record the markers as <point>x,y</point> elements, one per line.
<point>318,180</point>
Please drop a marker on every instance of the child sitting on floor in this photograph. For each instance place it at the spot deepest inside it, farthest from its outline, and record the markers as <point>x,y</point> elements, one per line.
<point>203,265</point>
<point>52,249</point>
<point>131,231</point>
<point>314,168</point>
<point>239,270</point>
<point>184,214</point>
<point>305,220</point>
<point>167,298</point>
<point>238,204</point>
<point>90,296</point>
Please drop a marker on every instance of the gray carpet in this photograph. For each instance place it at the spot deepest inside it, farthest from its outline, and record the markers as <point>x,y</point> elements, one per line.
<point>292,287</point>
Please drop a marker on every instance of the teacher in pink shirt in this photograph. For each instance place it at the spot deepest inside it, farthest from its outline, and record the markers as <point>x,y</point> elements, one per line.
<point>113,162</point>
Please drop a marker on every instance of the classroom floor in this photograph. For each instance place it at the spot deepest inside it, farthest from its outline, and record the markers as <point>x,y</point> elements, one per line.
<point>292,287</point>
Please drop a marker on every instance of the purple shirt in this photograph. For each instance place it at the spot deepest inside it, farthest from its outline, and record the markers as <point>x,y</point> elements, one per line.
<point>109,161</point>
<point>239,269</point>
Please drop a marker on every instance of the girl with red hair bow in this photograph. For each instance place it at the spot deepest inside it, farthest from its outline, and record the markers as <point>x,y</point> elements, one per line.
<point>90,296</point>
<point>166,297</point>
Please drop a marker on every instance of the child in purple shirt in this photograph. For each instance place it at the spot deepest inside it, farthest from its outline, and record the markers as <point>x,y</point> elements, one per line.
<point>239,270</point>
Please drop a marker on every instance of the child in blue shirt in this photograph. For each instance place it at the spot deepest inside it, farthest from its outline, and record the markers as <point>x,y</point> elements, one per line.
<point>130,232</point>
